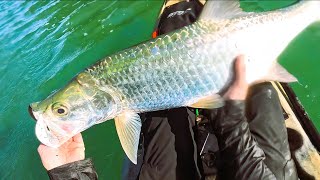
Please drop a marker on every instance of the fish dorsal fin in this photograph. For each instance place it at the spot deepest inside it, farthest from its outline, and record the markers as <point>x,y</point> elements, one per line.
<point>218,10</point>
<point>128,125</point>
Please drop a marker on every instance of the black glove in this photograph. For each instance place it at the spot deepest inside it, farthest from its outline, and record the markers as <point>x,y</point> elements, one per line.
<point>79,170</point>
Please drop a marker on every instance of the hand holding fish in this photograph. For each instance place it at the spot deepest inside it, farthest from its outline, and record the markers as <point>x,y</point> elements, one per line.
<point>239,87</point>
<point>70,151</point>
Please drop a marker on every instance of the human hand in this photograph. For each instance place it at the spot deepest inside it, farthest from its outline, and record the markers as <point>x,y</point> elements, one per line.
<point>239,87</point>
<point>70,151</point>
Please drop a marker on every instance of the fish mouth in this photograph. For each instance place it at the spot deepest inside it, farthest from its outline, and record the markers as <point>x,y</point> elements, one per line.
<point>50,136</point>
<point>54,134</point>
<point>31,113</point>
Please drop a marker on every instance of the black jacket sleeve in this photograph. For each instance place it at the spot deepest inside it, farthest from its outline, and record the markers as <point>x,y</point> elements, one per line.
<point>79,170</point>
<point>240,154</point>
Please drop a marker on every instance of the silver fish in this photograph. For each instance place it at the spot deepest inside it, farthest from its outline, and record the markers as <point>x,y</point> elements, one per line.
<point>187,67</point>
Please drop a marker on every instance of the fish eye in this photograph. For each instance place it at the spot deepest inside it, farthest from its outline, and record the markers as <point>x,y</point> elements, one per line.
<point>59,109</point>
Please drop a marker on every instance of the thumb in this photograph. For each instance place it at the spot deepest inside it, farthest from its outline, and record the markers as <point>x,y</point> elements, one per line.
<point>240,70</point>
<point>239,87</point>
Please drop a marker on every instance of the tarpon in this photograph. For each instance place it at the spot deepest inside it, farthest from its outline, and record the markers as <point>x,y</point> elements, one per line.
<point>187,67</point>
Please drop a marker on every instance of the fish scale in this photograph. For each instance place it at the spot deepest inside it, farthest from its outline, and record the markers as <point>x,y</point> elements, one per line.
<point>174,60</point>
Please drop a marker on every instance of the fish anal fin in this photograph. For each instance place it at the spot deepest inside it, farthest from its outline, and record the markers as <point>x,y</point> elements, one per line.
<point>279,73</point>
<point>256,73</point>
<point>209,102</point>
<point>128,125</point>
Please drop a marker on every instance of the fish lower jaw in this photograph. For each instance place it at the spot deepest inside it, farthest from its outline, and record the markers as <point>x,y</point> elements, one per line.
<point>48,136</point>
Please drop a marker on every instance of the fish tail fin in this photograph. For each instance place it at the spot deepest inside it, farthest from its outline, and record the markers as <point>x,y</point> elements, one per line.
<point>218,10</point>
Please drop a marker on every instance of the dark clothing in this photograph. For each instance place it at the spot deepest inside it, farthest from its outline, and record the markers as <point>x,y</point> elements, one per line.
<point>241,158</point>
<point>257,148</point>
<point>178,15</point>
<point>267,126</point>
<point>79,170</point>
<point>167,147</point>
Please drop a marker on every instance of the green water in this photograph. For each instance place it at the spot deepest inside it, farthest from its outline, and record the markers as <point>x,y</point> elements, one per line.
<point>44,44</point>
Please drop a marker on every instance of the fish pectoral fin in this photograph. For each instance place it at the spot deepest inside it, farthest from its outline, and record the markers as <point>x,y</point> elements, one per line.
<point>209,102</point>
<point>218,10</point>
<point>128,125</point>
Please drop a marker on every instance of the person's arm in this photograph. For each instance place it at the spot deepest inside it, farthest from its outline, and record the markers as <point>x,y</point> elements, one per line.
<point>78,170</point>
<point>67,161</point>
<point>241,156</point>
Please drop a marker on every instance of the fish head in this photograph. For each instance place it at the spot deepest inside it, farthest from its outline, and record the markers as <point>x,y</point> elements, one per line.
<point>71,110</point>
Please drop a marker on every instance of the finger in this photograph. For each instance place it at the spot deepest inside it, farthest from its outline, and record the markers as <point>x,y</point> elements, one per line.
<point>77,146</point>
<point>240,69</point>
<point>239,86</point>
<point>41,148</point>
<point>67,142</point>
<point>77,138</point>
